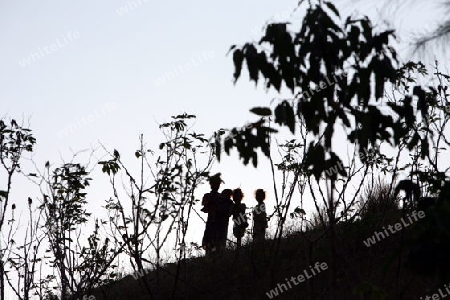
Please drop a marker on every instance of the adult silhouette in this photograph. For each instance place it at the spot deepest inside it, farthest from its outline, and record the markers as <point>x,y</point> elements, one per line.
<point>210,204</point>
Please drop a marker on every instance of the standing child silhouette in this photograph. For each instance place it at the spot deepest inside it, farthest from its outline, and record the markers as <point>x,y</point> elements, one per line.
<point>239,217</point>
<point>223,217</point>
<point>259,217</point>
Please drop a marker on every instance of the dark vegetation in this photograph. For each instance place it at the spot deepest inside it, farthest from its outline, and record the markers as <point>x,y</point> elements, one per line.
<point>346,83</point>
<point>377,272</point>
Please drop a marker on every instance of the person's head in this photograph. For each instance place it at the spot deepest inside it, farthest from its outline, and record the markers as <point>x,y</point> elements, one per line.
<point>227,193</point>
<point>260,195</point>
<point>237,195</point>
<point>214,182</point>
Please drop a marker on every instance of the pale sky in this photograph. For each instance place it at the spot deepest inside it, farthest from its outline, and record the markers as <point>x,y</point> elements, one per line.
<point>90,71</point>
<point>99,77</point>
<point>103,85</point>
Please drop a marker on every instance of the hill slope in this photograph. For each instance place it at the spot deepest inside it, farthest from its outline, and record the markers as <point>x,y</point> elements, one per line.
<point>378,271</point>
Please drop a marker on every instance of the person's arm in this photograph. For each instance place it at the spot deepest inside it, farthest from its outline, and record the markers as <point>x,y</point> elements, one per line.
<point>206,202</point>
<point>243,208</point>
<point>206,199</point>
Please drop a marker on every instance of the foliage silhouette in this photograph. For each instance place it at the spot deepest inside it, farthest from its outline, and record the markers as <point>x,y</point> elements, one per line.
<point>338,75</point>
<point>306,61</point>
<point>428,37</point>
<point>146,212</point>
<point>15,141</point>
<point>80,268</point>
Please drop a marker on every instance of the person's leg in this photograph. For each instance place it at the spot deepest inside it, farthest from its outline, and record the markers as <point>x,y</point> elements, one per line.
<point>240,232</point>
<point>222,236</point>
<point>258,234</point>
<point>209,238</point>
<point>216,239</point>
<point>222,240</point>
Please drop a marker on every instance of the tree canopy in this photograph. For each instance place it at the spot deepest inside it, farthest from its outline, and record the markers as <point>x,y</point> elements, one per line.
<point>337,72</point>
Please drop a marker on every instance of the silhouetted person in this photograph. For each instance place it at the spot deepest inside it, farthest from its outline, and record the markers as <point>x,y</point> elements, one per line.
<point>225,206</point>
<point>259,217</point>
<point>239,217</point>
<point>210,204</point>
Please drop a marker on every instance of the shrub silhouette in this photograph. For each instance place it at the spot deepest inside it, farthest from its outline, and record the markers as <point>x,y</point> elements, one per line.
<point>377,199</point>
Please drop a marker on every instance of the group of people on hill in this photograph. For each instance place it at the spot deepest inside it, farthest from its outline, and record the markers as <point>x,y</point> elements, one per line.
<point>221,206</point>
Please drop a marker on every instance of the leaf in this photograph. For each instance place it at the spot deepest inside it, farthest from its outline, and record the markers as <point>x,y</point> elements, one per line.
<point>116,154</point>
<point>255,159</point>
<point>315,157</point>
<point>238,58</point>
<point>299,210</point>
<point>414,141</point>
<point>261,111</point>
<point>379,78</point>
<point>251,57</point>
<point>332,8</point>
<point>231,48</point>
<point>284,115</point>
<point>425,148</point>
<point>422,104</point>
<point>187,145</point>
<point>3,194</point>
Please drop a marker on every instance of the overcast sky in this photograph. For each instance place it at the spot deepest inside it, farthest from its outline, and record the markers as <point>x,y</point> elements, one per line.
<point>88,71</point>
<point>85,72</point>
